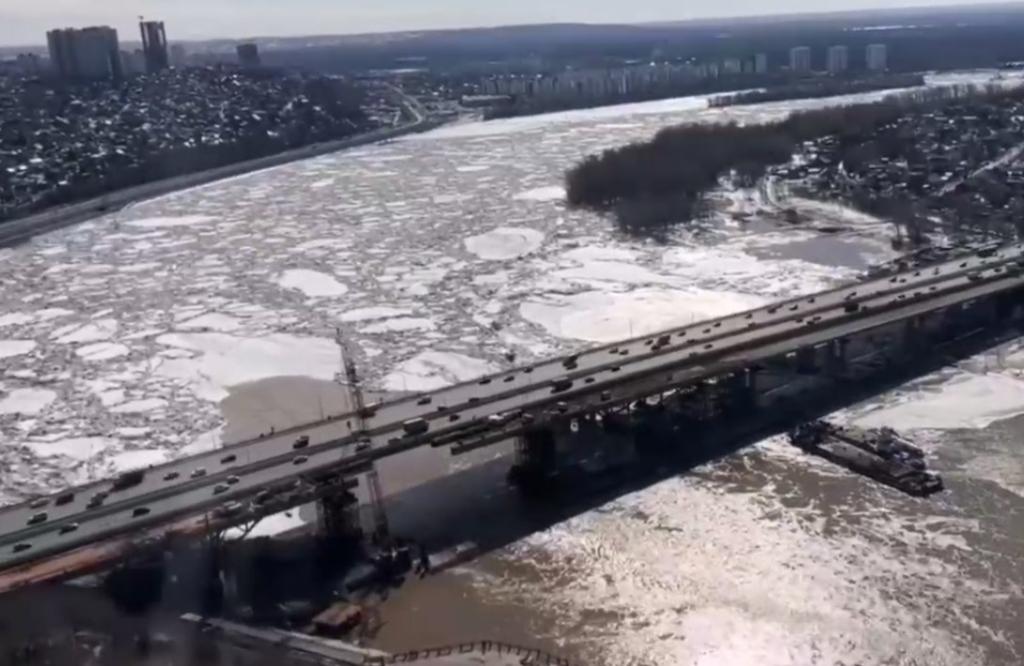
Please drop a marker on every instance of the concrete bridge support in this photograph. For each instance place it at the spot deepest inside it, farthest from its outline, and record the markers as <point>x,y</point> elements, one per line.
<point>807,361</point>
<point>536,459</point>
<point>836,356</point>
<point>338,516</point>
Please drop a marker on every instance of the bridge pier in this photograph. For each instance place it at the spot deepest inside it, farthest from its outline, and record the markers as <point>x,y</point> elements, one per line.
<point>836,358</point>
<point>807,361</point>
<point>338,516</point>
<point>536,459</point>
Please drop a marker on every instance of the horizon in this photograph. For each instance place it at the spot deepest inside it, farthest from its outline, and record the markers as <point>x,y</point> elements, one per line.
<point>31,21</point>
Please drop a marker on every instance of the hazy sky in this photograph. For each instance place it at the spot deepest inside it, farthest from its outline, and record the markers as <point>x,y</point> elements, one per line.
<point>26,21</point>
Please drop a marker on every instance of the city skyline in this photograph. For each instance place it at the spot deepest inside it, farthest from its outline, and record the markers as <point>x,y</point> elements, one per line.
<point>26,25</point>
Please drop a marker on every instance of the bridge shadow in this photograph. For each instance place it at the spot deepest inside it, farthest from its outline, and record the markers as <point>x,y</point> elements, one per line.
<point>479,505</point>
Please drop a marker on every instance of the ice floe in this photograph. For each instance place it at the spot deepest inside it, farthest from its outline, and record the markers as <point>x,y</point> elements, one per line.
<point>369,314</point>
<point>223,360</point>
<point>102,329</point>
<point>598,316</point>
<point>102,351</point>
<point>76,448</point>
<point>162,222</point>
<point>431,369</point>
<point>505,243</point>
<point>400,324</point>
<point>9,348</point>
<point>311,283</point>
<point>28,401</point>
<point>550,193</point>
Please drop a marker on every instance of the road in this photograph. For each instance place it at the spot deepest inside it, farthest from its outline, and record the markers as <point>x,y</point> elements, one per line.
<point>493,407</point>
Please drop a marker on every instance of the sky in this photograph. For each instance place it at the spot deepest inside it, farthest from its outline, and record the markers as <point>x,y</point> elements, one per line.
<point>25,22</point>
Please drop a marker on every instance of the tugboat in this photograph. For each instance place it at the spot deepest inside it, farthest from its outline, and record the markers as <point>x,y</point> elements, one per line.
<point>881,454</point>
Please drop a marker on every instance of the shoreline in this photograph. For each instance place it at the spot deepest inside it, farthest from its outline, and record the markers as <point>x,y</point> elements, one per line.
<point>19,230</point>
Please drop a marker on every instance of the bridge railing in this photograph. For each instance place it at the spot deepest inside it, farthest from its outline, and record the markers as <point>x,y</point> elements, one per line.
<point>525,655</point>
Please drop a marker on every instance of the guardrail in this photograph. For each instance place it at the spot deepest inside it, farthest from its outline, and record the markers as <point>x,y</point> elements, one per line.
<point>527,655</point>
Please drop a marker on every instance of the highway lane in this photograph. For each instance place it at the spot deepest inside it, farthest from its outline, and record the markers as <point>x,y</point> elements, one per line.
<point>220,465</point>
<point>388,443</point>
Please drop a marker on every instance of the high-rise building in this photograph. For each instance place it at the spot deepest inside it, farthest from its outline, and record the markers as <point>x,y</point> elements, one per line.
<point>732,66</point>
<point>838,59</point>
<point>800,59</point>
<point>761,63</point>
<point>248,55</point>
<point>876,57</point>
<point>154,45</point>
<point>89,53</point>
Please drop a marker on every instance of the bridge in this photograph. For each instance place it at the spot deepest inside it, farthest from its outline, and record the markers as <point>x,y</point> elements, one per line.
<point>94,526</point>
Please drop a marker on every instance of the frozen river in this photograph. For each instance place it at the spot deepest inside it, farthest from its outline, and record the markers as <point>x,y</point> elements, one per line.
<point>439,256</point>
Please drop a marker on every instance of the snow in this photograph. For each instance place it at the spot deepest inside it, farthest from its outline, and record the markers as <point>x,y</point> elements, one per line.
<point>102,329</point>
<point>368,314</point>
<point>224,360</point>
<point>9,348</point>
<point>311,283</point>
<point>76,448</point>
<point>598,316</point>
<point>400,324</point>
<point>505,243</point>
<point>101,351</point>
<point>167,221</point>
<point>551,193</point>
<point>28,401</point>
<point>432,370</point>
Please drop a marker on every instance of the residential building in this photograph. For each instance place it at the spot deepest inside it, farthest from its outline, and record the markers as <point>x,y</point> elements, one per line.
<point>133,62</point>
<point>178,55</point>
<point>800,59</point>
<point>838,59</point>
<point>29,64</point>
<point>248,55</point>
<point>154,45</point>
<point>761,63</point>
<point>876,57</point>
<point>87,53</point>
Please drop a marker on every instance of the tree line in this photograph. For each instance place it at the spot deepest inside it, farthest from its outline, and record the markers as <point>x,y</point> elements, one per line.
<point>648,186</point>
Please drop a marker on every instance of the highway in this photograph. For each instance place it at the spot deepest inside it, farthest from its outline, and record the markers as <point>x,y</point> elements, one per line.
<point>493,407</point>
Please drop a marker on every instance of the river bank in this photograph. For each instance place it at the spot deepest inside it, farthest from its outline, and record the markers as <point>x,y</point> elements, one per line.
<point>21,229</point>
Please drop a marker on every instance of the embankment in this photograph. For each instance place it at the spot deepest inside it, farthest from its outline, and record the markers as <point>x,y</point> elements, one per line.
<point>19,230</point>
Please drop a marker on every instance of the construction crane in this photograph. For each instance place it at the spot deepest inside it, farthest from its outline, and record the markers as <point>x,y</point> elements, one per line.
<point>376,494</point>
